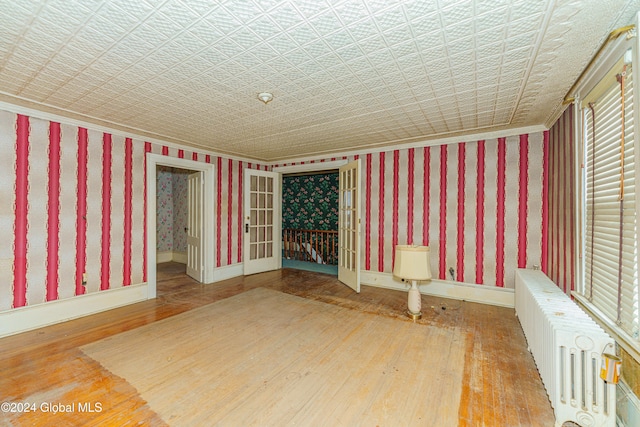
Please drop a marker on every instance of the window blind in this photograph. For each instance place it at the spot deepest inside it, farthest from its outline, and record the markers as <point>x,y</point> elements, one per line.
<point>611,249</point>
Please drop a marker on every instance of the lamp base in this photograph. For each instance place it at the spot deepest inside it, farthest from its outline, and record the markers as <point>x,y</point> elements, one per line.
<point>414,303</point>
<point>414,316</point>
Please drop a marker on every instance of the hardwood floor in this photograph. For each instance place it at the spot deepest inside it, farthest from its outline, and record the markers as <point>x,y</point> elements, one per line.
<point>46,368</point>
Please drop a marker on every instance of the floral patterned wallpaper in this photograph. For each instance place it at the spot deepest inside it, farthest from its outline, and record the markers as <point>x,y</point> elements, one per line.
<point>164,210</point>
<point>180,209</point>
<point>171,209</point>
<point>310,202</point>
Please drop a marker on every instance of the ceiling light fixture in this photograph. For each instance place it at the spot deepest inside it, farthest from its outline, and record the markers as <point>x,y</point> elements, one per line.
<point>265,97</point>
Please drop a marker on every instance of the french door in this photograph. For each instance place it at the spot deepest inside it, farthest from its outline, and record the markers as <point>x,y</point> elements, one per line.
<point>349,225</point>
<point>262,221</point>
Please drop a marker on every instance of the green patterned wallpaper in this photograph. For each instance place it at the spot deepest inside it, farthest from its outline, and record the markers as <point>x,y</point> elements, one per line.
<point>310,202</point>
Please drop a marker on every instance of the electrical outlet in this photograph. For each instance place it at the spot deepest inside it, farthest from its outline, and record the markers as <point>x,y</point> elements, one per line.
<point>84,279</point>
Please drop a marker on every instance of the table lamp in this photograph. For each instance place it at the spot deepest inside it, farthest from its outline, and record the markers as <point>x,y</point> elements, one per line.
<point>412,263</point>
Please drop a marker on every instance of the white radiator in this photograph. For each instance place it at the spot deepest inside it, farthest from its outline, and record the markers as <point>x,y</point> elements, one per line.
<point>567,346</point>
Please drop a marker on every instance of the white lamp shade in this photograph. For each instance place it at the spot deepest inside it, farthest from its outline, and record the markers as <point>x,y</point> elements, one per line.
<point>412,262</point>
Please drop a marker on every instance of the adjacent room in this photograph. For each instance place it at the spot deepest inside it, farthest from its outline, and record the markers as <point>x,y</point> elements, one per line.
<point>336,212</point>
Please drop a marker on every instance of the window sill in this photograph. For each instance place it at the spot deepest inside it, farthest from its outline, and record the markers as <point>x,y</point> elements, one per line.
<point>623,339</point>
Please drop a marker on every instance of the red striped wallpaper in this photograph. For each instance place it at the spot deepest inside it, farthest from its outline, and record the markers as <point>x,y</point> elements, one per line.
<point>381,212</point>
<point>461,207</point>
<point>442,219</point>
<point>395,216</point>
<point>478,205</point>
<point>426,195</point>
<point>559,211</point>
<point>367,215</point>
<point>480,213</point>
<point>99,232</point>
<point>501,211</point>
<point>219,214</point>
<point>53,212</point>
<point>128,210</point>
<point>21,212</point>
<point>523,201</point>
<point>410,201</point>
<point>81,214</point>
<point>105,254</point>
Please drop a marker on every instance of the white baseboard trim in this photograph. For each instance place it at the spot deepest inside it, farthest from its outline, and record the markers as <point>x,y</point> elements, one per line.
<point>164,256</point>
<point>227,272</point>
<point>24,319</point>
<point>443,288</point>
<point>180,257</point>
<point>168,256</point>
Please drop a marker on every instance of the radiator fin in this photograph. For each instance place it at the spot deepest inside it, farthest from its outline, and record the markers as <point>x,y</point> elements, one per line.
<point>566,345</point>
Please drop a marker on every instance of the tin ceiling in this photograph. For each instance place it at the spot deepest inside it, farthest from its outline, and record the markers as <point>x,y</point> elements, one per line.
<point>345,75</point>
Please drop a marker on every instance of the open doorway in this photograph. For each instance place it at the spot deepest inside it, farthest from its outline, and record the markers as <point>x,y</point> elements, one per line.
<point>172,214</point>
<point>348,211</point>
<point>310,221</point>
<point>202,179</point>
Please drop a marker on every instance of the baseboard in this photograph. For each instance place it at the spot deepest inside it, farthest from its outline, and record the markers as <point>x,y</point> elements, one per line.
<point>227,272</point>
<point>180,257</point>
<point>446,289</point>
<point>169,256</point>
<point>24,319</point>
<point>164,256</point>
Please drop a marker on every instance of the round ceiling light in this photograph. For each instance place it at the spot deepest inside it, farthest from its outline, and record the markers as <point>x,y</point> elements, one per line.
<point>265,97</point>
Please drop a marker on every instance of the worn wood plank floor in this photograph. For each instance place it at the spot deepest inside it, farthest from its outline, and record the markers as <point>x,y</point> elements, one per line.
<point>265,357</point>
<point>500,384</point>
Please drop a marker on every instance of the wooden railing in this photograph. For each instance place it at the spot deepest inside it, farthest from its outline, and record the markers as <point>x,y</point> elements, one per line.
<point>319,246</point>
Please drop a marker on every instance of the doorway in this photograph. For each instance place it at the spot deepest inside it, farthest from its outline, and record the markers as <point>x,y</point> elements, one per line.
<point>172,214</point>
<point>205,172</point>
<point>310,221</point>
<point>349,215</point>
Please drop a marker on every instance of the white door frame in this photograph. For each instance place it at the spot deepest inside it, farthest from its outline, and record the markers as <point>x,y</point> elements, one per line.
<point>195,218</point>
<point>333,165</point>
<point>208,252</point>
<point>311,167</point>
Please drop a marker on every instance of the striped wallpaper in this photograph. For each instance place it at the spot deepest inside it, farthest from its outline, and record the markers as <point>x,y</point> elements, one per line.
<point>561,249</point>
<point>72,200</point>
<point>478,205</point>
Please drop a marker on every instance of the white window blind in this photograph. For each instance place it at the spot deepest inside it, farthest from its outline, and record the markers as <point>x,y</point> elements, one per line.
<point>611,249</point>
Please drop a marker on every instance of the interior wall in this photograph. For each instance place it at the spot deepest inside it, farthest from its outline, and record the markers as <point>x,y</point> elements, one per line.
<point>73,201</point>
<point>164,209</point>
<point>179,184</point>
<point>310,202</point>
<point>477,204</point>
<point>561,214</point>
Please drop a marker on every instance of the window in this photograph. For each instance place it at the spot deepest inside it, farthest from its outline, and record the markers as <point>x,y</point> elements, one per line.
<point>610,220</point>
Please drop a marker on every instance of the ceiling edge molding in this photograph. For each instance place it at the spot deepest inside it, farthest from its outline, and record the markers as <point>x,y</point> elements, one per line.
<point>555,115</point>
<point>310,167</point>
<point>419,144</point>
<point>53,114</point>
<point>45,112</point>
